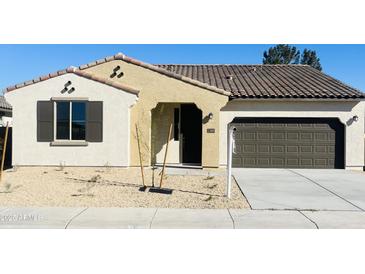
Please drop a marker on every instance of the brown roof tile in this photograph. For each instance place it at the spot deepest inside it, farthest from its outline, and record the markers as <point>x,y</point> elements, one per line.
<point>268,81</point>
<point>236,81</point>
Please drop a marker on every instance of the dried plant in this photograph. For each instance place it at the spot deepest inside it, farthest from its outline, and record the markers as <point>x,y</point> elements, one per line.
<point>88,188</point>
<point>9,188</point>
<point>212,185</point>
<point>209,177</point>
<point>15,168</point>
<point>95,179</point>
<point>107,167</point>
<point>61,166</point>
<point>91,183</point>
<point>208,198</point>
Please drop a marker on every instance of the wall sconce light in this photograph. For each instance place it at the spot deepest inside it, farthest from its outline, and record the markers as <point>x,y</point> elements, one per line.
<point>210,116</point>
<point>355,118</point>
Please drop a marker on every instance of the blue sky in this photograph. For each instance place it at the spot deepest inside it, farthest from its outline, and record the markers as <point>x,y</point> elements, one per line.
<point>24,62</point>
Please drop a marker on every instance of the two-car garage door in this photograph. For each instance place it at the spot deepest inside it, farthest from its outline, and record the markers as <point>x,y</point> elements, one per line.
<point>288,143</point>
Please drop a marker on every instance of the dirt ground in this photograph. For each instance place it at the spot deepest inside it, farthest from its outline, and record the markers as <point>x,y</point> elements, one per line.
<point>112,187</point>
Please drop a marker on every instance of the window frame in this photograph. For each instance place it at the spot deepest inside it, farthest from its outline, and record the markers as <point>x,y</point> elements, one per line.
<point>70,101</point>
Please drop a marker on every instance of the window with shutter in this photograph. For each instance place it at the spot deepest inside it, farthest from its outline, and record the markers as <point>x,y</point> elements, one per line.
<point>45,121</point>
<point>69,121</point>
<point>94,121</point>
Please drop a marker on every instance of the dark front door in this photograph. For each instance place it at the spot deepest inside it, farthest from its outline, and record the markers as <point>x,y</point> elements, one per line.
<point>191,132</point>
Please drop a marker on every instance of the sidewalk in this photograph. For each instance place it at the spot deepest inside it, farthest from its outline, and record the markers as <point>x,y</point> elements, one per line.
<point>66,218</point>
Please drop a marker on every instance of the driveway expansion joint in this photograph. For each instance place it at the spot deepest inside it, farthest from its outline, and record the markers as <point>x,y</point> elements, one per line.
<point>330,191</point>
<point>243,194</point>
<point>153,217</point>
<point>309,219</point>
<point>74,217</point>
<point>233,223</point>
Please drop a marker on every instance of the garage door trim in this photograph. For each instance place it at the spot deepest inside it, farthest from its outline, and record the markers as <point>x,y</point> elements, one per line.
<point>321,142</point>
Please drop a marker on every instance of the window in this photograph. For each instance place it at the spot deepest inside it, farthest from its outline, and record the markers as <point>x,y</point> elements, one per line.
<point>176,123</point>
<point>78,121</point>
<point>63,121</point>
<point>70,120</point>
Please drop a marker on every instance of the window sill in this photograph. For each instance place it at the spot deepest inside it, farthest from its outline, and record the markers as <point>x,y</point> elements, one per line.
<point>69,144</point>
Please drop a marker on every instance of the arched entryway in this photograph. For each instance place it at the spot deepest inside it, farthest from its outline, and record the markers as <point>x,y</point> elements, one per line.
<point>185,143</point>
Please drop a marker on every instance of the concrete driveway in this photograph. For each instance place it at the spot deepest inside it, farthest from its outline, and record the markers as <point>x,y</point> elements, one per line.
<point>302,189</point>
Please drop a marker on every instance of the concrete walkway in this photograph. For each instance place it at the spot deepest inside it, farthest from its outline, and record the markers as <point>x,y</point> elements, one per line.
<point>65,218</point>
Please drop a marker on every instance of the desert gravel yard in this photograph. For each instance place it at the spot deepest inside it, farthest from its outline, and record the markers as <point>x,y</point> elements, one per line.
<point>112,187</point>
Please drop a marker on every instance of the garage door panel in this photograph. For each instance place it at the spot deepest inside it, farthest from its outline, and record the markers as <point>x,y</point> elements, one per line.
<point>237,161</point>
<point>278,135</point>
<point>292,136</point>
<point>263,148</point>
<point>292,162</point>
<point>249,148</point>
<point>249,136</point>
<point>249,161</point>
<point>263,161</point>
<point>320,149</point>
<point>238,136</point>
<point>289,142</point>
<point>263,136</point>
<point>292,149</point>
<point>277,149</point>
<point>306,149</point>
<point>322,136</point>
<point>306,136</point>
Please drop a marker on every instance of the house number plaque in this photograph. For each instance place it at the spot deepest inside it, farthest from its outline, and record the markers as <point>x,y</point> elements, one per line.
<point>211,130</point>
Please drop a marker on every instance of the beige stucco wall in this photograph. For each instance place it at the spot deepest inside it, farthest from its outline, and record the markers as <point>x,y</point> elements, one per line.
<point>344,110</point>
<point>114,150</point>
<point>162,118</point>
<point>154,88</point>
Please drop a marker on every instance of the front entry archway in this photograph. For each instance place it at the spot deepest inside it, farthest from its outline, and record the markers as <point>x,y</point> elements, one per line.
<point>185,143</point>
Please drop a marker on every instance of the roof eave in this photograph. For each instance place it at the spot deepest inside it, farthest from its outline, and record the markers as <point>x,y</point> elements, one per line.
<point>75,71</point>
<point>298,99</point>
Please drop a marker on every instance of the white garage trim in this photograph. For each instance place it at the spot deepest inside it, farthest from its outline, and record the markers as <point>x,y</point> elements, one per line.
<point>343,110</point>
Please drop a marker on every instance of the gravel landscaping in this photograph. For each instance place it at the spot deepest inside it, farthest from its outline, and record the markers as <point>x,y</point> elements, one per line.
<point>112,187</point>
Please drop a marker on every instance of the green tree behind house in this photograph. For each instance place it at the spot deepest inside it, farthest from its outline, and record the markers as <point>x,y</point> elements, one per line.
<point>281,54</point>
<point>309,57</point>
<point>286,54</point>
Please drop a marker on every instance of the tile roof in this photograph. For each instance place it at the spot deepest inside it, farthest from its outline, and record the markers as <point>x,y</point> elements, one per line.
<point>4,104</point>
<point>78,72</point>
<point>268,81</point>
<point>236,81</point>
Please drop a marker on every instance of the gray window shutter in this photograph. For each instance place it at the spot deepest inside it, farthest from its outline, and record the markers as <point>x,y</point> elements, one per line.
<point>94,121</point>
<point>45,121</point>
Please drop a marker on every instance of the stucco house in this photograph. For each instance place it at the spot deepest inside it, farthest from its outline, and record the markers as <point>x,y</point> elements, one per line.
<point>286,116</point>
